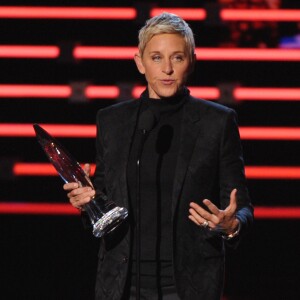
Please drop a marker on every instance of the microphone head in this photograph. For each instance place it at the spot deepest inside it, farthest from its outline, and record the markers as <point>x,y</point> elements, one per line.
<point>147,120</point>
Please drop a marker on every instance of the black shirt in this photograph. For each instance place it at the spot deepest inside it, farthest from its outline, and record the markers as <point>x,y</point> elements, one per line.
<point>157,169</point>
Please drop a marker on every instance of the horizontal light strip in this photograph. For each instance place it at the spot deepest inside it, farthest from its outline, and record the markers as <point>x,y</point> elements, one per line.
<point>108,92</point>
<point>198,14</point>
<point>252,172</point>
<point>248,54</point>
<point>55,91</point>
<point>113,92</point>
<point>264,212</point>
<point>270,133</point>
<point>35,12</point>
<point>25,51</point>
<point>279,15</point>
<point>34,169</point>
<point>191,14</point>
<point>117,53</point>
<point>266,94</point>
<point>272,172</point>
<point>33,91</point>
<point>129,13</point>
<point>16,208</point>
<point>37,208</point>
<point>106,52</point>
<point>89,131</point>
<point>38,169</point>
<point>58,130</point>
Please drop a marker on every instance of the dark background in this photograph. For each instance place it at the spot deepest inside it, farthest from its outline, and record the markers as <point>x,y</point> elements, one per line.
<point>53,257</point>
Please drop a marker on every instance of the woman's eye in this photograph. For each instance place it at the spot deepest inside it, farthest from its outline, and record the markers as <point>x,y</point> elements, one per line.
<point>178,58</point>
<point>156,58</point>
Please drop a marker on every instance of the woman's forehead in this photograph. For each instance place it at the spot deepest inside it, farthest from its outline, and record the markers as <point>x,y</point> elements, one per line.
<point>164,41</point>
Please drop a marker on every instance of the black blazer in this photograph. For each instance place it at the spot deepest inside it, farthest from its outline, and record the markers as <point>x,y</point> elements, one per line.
<point>209,165</point>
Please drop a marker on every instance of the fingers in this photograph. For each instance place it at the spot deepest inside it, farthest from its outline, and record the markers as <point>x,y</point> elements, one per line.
<point>192,218</point>
<point>231,208</point>
<point>203,213</point>
<point>81,196</point>
<point>199,215</point>
<point>218,220</point>
<point>212,208</point>
<point>198,220</point>
<point>70,186</point>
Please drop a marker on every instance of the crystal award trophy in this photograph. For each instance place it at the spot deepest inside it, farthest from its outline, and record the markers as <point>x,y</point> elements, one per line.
<point>104,215</point>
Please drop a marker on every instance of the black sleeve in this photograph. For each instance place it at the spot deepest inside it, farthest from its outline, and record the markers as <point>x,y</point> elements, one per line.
<point>232,173</point>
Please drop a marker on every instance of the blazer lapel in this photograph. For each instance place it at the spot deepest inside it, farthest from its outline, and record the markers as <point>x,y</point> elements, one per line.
<point>188,136</point>
<point>125,140</point>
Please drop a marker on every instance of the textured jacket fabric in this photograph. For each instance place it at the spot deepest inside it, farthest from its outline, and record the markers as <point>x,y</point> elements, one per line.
<point>209,166</point>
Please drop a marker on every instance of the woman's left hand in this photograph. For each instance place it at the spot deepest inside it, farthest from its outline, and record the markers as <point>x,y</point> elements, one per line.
<point>215,219</point>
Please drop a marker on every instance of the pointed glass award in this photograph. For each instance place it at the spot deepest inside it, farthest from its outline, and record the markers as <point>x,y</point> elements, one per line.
<point>104,215</point>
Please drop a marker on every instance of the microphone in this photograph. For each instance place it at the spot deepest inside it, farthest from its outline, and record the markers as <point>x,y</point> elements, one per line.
<point>147,120</point>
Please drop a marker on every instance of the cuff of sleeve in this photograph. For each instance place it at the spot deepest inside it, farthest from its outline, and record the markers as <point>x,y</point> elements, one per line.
<point>232,235</point>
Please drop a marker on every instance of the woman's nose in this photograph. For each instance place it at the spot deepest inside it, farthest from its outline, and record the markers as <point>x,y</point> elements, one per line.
<point>168,67</point>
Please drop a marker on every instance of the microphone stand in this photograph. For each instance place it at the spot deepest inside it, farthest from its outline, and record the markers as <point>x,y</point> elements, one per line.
<point>138,215</point>
<point>146,122</point>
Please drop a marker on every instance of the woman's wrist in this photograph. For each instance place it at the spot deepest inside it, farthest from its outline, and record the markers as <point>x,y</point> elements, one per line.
<point>234,231</point>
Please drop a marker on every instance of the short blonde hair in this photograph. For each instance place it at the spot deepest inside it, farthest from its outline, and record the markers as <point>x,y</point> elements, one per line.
<point>167,23</point>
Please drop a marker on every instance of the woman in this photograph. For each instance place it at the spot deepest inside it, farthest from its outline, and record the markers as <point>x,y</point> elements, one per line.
<point>191,152</point>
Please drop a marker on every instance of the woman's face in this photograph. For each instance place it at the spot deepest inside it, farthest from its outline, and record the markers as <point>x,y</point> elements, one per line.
<point>166,65</point>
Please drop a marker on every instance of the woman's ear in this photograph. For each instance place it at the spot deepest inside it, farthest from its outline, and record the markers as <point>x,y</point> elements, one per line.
<point>139,63</point>
<point>192,66</point>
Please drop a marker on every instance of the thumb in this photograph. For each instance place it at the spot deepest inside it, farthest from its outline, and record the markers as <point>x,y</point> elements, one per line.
<point>87,169</point>
<point>233,201</point>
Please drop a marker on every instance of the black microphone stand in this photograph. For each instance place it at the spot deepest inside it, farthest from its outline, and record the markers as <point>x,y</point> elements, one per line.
<point>138,215</point>
<point>146,122</point>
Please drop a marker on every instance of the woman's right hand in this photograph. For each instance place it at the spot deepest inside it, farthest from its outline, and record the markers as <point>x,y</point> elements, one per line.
<point>79,196</point>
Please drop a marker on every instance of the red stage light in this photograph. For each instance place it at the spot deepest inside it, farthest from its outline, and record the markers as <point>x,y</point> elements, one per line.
<point>25,51</point>
<point>265,212</point>
<point>271,94</point>
<point>58,130</point>
<point>192,14</point>
<point>37,208</point>
<point>137,91</point>
<point>110,92</point>
<point>272,172</point>
<point>248,54</point>
<point>35,12</point>
<point>103,52</point>
<point>270,133</point>
<point>211,93</point>
<point>38,169</point>
<point>34,169</point>
<point>34,91</point>
<point>275,15</point>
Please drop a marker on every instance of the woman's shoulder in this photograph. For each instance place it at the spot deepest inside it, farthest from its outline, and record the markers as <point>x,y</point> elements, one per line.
<point>207,104</point>
<point>120,108</point>
<point>209,108</point>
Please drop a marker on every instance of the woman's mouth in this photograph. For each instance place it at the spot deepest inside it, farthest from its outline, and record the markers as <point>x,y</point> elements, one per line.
<point>167,81</point>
